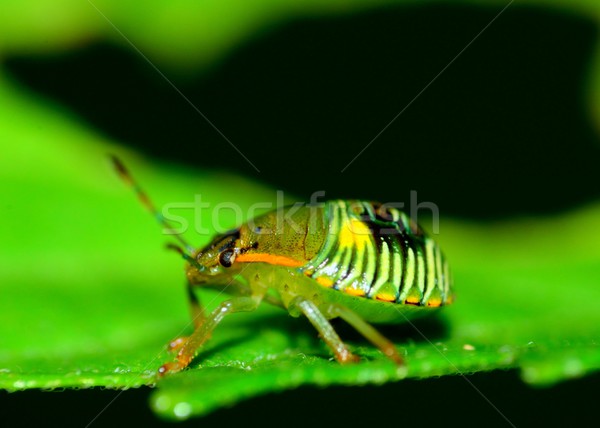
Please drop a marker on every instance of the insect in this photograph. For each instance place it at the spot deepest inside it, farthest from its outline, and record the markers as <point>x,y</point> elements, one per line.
<point>360,261</point>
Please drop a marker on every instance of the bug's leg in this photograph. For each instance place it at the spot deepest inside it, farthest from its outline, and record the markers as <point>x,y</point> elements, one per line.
<point>197,314</point>
<point>326,331</point>
<point>367,331</point>
<point>192,345</point>
<point>196,309</point>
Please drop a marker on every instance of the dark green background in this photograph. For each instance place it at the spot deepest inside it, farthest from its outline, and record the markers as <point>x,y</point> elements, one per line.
<point>504,131</point>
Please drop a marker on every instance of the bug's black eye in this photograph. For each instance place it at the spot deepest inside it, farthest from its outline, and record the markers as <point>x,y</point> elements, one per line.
<point>226,258</point>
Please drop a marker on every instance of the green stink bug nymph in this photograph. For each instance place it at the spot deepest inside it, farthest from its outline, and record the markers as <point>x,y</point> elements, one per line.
<point>359,261</point>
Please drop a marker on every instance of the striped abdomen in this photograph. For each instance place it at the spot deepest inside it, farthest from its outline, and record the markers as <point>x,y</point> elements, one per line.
<point>378,252</point>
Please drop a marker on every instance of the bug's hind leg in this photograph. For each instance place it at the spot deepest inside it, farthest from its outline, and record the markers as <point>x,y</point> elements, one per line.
<point>328,334</point>
<point>190,346</point>
<point>367,331</point>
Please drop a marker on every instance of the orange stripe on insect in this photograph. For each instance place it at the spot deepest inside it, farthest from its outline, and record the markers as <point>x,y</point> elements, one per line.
<point>354,291</point>
<point>268,258</point>
<point>385,297</point>
<point>325,282</point>
<point>412,300</point>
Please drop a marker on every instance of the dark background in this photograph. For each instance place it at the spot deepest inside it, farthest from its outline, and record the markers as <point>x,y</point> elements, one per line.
<point>445,402</point>
<point>502,132</point>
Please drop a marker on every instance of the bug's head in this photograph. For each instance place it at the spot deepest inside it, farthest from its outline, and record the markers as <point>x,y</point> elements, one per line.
<point>255,242</point>
<point>216,257</point>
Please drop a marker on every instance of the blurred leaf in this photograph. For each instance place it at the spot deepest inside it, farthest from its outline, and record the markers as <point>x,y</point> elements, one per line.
<point>187,33</point>
<point>89,296</point>
<point>192,36</point>
<point>183,33</point>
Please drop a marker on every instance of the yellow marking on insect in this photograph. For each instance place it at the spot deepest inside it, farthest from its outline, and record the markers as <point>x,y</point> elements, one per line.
<point>411,301</point>
<point>355,291</point>
<point>435,299</point>
<point>268,258</point>
<point>354,233</point>
<point>325,282</point>
<point>385,297</point>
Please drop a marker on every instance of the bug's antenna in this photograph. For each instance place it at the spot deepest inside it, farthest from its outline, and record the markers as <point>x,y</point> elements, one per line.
<point>186,256</point>
<point>147,202</point>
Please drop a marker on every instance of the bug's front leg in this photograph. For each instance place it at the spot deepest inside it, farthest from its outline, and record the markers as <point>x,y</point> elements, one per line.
<point>196,313</point>
<point>191,345</point>
<point>326,331</point>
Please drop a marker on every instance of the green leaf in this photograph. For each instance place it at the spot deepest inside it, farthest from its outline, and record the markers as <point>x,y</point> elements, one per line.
<point>90,297</point>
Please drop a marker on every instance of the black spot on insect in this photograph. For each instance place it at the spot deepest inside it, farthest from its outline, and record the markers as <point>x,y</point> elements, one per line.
<point>225,241</point>
<point>376,205</point>
<point>252,246</point>
<point>226,258</point>
<point>383,214</point>
<point>286,287</point>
